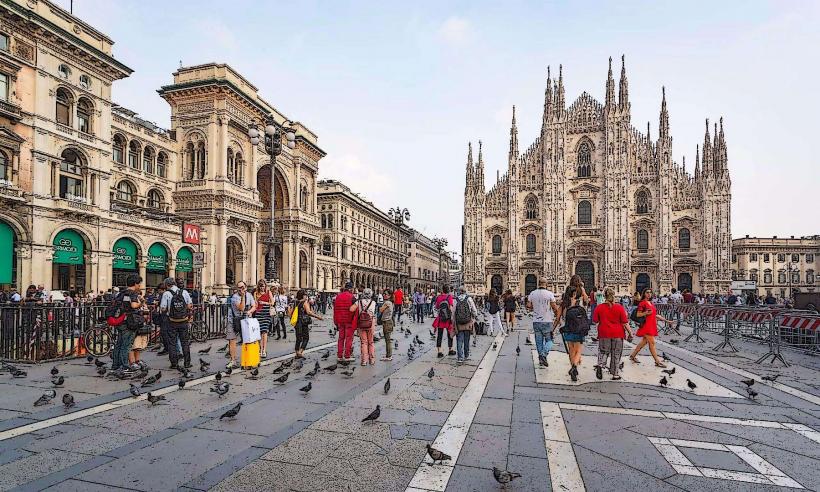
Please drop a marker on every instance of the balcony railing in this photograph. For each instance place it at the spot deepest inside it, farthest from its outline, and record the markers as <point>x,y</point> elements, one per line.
<point>65,128</point>
<point>9,110</point>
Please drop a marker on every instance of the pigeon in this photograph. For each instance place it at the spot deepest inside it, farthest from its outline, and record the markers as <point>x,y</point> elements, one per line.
<point>518,350</point>
<point>691,385</point>
<point>664,382</point>
<point>89,359</point>
<point>232,413</point>
<point>18,373</point>
<point>325,354</point>
<point>437,455</point>
<point>205,350</point>
<point>221,389</point>
<point>255,373</point>
<point>376,338</point>
<point>674,341</point>
<point>495,345</point>
<point>280,369</point>
<point>748,382</point>
<point>306,389</point>
<point>153,379</point>
<point>410,355</point>
<point>46,398</point>
<point>68,400</point>
<point>373,415</point>
<point>58,381</point>
<point>218,376</point>
<point>140,375</point>
<point>431,373</point>
<point>503,476</point>
<point>188,374</point>
<point>621,365</point>
<point>281,379</point>
<point>288,363</point>
<point>203,368</point>
<point>181,384</point>
<point>312,374</point>
<point>349,372</point>
<point>101,371</point>
<point>395,344</point>
<point>298,365</point>
<point>55,371</point>
<point>387,386</point>
<point>331,368</point>
<point>228,371</point>
<point>204,363</point>
<point>223,349</point>
<point>330,332</point>
<point>153,400</point>
<point>665,357</point>
<point>98,363</point>
<point>771,378</point>
<point>752,393</point>
<point>670,372</point>
<point>316,366</point>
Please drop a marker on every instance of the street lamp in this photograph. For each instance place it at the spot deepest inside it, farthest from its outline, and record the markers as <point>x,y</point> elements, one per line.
<point>272,134</point>
<point>440,244</point>
<point>399,216</point>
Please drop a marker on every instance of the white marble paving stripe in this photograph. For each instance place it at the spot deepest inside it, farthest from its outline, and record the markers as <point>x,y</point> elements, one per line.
<point>746,374</point>
<point>453,433</point>
<point>104,407</point>
<point>714,446</point>
<point>735,476</point>
<point>563,465</point>
<point>805,431</point>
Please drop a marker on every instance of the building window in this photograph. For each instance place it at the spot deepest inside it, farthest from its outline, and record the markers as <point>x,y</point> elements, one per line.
<point>71,175</point>
<point>154,199</point>
<point>324,221</point>
<point>85,81</point>
<point>643,240</point>
<point>303,198</point>
<point>63,110</point>
<point>125,192</point>
<point>767,276</point>
<point>344,248</point>
<point>684,238</point>
<point>4,87</point>
<point>765,257</point>
<point>231,171</point>
<point>734,258</point>
<point>530,243</point>
<point>809,258</point>
<point>584,213</point>
<point>162,164</point>
<point>642,202</point>
<point>752,256</point>
<point>734,275</point>
<point>781,258</point>
<point>4,42</point>
<point>781,277</point>
<point>584,161</point>
<point>531,208</point>
<point>84,111</point>
<point>64,71</point>
<point>753,275</point>
<point>795,258</point>
<point>327,247</point>
<point>148,160</point>
<point>5,167</point>
<point>795,277</point>
<point>809,277</point>
<point>496,244</point>
<point>239,169</point>
<point>119,149</point>
<point>134,155</point>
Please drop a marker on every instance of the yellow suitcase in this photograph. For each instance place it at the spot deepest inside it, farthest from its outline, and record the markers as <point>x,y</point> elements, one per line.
<point>250,355</point>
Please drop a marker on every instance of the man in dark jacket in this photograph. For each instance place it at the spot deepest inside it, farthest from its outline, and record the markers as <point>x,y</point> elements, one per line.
<point>343,319</point>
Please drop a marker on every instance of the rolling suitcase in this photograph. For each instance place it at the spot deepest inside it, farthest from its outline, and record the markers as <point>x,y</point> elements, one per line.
<point>250,355</point>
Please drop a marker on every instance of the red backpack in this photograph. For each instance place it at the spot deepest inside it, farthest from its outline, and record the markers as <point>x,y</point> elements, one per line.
<point>364,319</point>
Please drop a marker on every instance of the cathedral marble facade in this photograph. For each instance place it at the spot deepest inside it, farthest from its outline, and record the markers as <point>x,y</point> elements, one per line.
<point>595,196</point>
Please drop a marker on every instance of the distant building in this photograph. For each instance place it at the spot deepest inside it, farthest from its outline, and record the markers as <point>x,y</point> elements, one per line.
<point>778,265</point>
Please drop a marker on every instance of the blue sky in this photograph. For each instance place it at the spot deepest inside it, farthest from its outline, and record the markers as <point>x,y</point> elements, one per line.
<point>395,90</point>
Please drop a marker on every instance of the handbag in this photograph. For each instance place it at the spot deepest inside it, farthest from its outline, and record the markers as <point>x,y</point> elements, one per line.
<point>250,330</point>
<point>294,317</point>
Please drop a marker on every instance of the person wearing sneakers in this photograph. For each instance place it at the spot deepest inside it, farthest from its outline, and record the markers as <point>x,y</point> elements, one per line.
<point>541,302</point>
<point>364,319</point>
<point>444,319</point>
<point>343,319</point>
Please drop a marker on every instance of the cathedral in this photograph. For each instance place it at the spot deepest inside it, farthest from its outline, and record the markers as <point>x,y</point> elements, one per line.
<point>596,197</point>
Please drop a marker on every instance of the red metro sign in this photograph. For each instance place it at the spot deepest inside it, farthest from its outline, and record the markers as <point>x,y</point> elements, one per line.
<point>191,233</point>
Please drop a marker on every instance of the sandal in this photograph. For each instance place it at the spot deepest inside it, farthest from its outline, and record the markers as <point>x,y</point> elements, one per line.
<point>633,359</point>
<point>616,378</point>
<point>660,364</point>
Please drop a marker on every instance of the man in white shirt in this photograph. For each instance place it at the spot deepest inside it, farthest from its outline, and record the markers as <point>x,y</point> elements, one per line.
<point>541,302</point>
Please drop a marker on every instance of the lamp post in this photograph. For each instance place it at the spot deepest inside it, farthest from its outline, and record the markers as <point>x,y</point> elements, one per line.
<point>440,244</point>
<point>272,134</point>
<point>399,216</point>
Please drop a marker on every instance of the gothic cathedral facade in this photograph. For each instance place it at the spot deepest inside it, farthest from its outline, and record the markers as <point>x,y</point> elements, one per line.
<point>594,196</point>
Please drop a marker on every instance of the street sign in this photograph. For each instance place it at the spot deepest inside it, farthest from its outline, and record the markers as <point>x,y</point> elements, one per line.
<point>191,233</point>
<point>739,285</point>
<point>199,260</point>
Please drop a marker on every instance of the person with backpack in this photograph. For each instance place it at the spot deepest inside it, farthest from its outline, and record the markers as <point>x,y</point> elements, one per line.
<point>575,327</point>
<point>364,319</point>
<point>444,320</point>
<point>510,305</point>
<point>125,318</point>
<point>647,318</point>
<point>303,322</point>
<point>176,306</point>
<point>613,326</point>
<point>343,319</point>
<point>494,311</point>
<point>465,314</point>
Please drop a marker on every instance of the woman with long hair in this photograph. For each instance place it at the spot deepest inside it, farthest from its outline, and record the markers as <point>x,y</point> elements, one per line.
<point>365,304</point>
<point>302,322</point>
<point>572,297</point>
<point>509,309</point>
<point>494,311</point>
<point>648,329</point>
<point>264,306</point>
<point>613,326</point>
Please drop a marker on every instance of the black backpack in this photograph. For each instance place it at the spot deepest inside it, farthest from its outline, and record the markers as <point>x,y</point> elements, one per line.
<point>444,314</point>
<point>494,307</point>
<point>577,322</point>
<point>178,309</point>
<point>463,313</point>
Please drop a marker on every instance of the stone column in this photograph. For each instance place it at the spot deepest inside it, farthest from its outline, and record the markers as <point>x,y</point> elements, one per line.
<point>253,253</point>
<point>143,272</point>
<point>220,260</point>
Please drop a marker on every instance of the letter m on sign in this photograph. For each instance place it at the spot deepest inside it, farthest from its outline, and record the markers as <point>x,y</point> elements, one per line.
<point>191,233</point>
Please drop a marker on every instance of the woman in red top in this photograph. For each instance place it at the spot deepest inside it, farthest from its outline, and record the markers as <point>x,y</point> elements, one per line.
<point>649,329</point>
<point>613,325</point>
<point>442,326</point>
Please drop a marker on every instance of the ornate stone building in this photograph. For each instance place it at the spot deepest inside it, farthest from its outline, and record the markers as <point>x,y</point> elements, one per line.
<point>595,196</point>
<point>90,192</point>
<point>779,265</point>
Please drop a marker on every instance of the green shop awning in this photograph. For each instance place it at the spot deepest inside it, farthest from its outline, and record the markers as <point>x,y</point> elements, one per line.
<point>125,254</point>
<point>6,252</point>
<point>185,260</point>
<point>68,248</point>
<point>157,258</point>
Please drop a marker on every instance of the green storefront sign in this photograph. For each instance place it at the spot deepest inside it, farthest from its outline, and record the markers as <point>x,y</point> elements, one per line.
<point>185,260</point>
<point>6,252</point>
<point>125,254</point>
<point>68,248</point>
<point>157,258</point>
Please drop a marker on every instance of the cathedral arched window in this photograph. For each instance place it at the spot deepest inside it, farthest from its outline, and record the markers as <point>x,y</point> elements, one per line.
<point>125,191</point>
<point>781,277</point>
<point>84,111</point>
<point>531,208</point>
<point>324,221</point>
<point>530,243</point>
<point>584,213</point>
<point>684,239</point>
<point>162,164</point>
<point>155,199</point>
<point>239,171</point>
<point>642,202</point>
<point>584,160</point>
<point>496,244</point>
<point>330,221</point>
<point>643,239</point>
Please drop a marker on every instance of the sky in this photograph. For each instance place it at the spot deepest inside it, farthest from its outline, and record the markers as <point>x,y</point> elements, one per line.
<point>396,90</point>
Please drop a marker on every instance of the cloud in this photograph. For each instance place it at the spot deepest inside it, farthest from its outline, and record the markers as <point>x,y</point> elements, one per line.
<point>456,31</point>
<point>362,178</point>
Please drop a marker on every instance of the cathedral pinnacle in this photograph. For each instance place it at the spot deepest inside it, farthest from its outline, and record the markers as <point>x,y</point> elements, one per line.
<point>664,118</point>
<point>547,102</point>
<point>610,87</point>
<point>697,162</point>
<point>559,103</point>
<point>623,88</point>
<point>470,168</point>
<point>513,138</point>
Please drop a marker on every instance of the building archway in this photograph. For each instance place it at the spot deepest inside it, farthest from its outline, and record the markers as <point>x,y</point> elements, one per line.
<point>124,261</point>
<point>8,254</point>
<point>497,283</point>
<point>185,266</point>
<point>684,281</point>
<point>642,281</point>
<point>530,284</point>
<point>69,261</point>
<point>156,266</point>
<point>234,261</point>
<point>586,270</point>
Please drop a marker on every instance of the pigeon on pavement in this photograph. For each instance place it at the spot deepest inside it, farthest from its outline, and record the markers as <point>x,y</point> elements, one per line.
<point>387,386</point>
<point>46,398</point>
<point>204,363</point>
<point>280,369</point>
<point>58,381</point>
<point>288,363</point>
<point>181,384</point>
<point>154,399</point>
<point>54,371</point>
<point>221,389</point>
<point>223,349</point>
<point>752,393</point>
<point>670,372</point>
<point>437,455</point>
<point>331,368</point>
<point>748,382</point>
<point>771,378</point>
<point>312,374</point>
<point>205,350</point>
<point>664,382</point>
<point>503,476</point>
<point>153,379</point>
<point>373,415</point>
<point>68,400</point>
<point>298,365</point>
<point>135,392</point>
<point>349,372</point>
<point>254,373</point>
<point>518,350</point>
<point>431,373</point>
<point>232,413</point>
<point>306,389</point>
<point>18,373</point>
<point>691,385</point>
<point>281,379</point>
<point>325,354</point>
<point>98,363</point>
<point>218,376</point>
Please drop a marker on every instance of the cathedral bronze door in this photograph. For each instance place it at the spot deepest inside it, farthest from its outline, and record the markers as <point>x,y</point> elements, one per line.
<point>684,281</point>
<point>497,284</point>
<point>586,270</point>
<point>642,281</point>
<point>530,283</point>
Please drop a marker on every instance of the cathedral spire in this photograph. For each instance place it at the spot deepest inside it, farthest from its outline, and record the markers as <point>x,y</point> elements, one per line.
<point>610,87</point>
<point>560,103</point>
<point>707,151</point>
<point>664,118</point>
<point>513,138</point>
<point>479,168</point>
<point>623,88</point>
<point>697,162</point>
<point>548,95</point>
<point>470,168</point>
